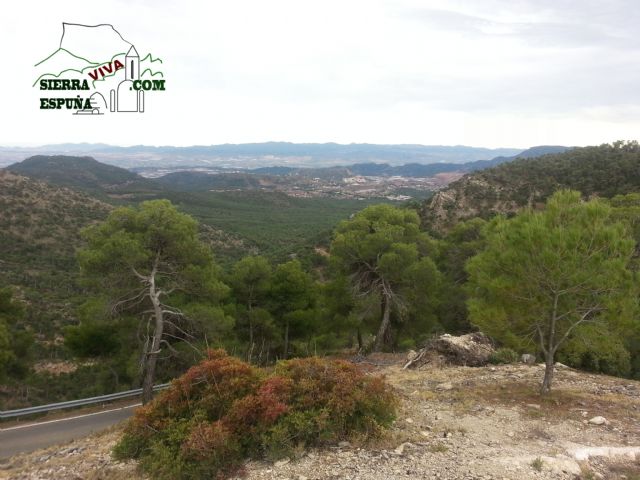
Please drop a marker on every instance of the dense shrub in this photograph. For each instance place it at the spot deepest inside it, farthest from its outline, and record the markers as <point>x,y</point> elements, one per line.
<point>596,350</point>
<point>503,355</point>
<point>223,411</point>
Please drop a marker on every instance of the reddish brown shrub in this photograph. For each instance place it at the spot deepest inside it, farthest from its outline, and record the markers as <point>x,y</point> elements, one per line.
<point>262,408</point>
<point>223,410</point>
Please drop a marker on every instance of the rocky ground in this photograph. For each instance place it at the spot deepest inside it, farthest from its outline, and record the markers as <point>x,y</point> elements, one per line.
<point>454,423</point>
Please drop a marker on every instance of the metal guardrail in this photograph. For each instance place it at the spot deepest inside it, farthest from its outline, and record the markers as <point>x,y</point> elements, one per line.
<point>76,403</point>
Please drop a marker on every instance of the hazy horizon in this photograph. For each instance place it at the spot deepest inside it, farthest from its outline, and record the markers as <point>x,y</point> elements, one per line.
<point>41,145</point>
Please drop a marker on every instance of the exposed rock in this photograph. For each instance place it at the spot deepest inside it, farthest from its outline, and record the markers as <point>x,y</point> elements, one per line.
<point>473,350</point>
<point>400,449</point>
<point>457,202</point>
<point>598,421</point>
<point>282,463</point>
<point>585,453</point>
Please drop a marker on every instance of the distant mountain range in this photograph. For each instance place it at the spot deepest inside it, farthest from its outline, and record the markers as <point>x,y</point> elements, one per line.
<point>421,170</point>
<point>109,181</point>
<point>211,178</point>
<point>256,155</point>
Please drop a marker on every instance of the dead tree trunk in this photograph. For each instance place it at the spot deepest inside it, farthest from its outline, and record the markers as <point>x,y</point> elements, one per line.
<point>151,355</point>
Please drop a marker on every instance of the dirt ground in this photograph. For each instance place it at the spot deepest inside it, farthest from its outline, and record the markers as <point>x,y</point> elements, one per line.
<point>453,423</point>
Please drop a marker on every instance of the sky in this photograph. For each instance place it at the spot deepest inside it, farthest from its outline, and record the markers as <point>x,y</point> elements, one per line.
<point>490,73</point>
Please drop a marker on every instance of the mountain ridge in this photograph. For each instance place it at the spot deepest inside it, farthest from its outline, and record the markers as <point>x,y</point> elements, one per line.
<point>82,173</point>
<point>254,155</point>
<point>255,178</point>
<point>605,170</point>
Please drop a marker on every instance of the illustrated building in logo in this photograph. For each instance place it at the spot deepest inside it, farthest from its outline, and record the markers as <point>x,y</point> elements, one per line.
<point>127,98</point>
<point>97,102</point>
<point>132,64</point>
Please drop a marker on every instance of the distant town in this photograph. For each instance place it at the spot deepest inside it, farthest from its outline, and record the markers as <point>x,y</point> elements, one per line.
<point>337,182</point>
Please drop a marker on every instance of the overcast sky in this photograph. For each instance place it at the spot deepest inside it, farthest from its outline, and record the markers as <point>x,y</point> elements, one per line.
<point>490,73</point>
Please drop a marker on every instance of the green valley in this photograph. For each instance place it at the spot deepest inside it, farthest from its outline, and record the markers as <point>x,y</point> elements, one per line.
<point>291,275</point>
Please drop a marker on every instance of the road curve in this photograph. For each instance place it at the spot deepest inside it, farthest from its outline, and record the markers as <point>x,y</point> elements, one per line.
<point>29,437</point>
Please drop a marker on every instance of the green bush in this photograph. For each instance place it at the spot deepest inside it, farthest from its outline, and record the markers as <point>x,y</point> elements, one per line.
<point>223,411</point>
<point>503,355</point>
<point>596,350</point>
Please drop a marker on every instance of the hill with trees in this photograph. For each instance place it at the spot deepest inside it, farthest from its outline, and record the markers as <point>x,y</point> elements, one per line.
<point>201,181</point>
<point>39,232</point>
<point>316,276</point>
<point>605,170</point>
<point>84,174</point>
<point>245,220</point>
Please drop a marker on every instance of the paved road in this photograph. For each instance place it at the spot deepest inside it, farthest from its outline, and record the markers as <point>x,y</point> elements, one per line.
<point>29,437</point>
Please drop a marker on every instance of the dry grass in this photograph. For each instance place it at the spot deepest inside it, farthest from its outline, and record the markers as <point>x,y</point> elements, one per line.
<point>438,448</point>
<point>537,464</point>
<point>559,405</point>
<point>630,471</point>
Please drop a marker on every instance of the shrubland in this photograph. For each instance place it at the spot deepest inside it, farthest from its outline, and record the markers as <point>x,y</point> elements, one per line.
<point>223,411</point>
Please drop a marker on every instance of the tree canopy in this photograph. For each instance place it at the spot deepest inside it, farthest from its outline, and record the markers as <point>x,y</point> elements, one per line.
<point>10,312</point>
<point>382,250</point>
<point>545,275</point>
<point>150,262</point>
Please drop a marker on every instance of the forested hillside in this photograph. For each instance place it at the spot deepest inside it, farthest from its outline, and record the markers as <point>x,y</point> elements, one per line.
<point>41,224</point>
<point>269,223</point>
<point>85,174</point>
<point>194,181</point>
<point>40,228</point>
<point>604,171</point>
<point>235,222</point>
<point>269,276</point>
